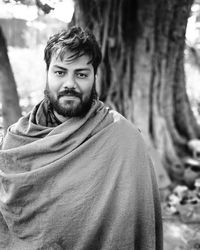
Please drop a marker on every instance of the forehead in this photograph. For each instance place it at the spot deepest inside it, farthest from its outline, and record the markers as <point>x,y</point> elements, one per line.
<point>69,58</point>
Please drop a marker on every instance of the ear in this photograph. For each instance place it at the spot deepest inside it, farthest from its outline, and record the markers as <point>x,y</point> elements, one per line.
<point>47,85</point>
<point>97,84</point>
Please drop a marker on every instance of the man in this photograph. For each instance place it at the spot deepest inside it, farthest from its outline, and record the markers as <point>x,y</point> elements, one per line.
<point>74,174</point>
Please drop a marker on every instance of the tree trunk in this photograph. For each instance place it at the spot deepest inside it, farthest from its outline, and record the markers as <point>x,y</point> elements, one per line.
<point>11,110</point>
<point>142,74</point>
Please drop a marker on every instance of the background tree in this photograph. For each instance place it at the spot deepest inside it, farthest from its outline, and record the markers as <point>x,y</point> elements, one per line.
<point>11,110</point>
<point>142,75</point>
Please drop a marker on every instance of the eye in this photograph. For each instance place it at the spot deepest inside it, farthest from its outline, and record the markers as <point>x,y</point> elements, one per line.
<point>81,75</point>
<point>59,73</point>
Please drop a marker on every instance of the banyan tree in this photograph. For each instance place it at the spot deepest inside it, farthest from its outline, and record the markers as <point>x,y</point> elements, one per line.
<point>142,74</point>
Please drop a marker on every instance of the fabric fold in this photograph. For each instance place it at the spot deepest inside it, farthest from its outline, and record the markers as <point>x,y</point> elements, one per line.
<point>79,185</point>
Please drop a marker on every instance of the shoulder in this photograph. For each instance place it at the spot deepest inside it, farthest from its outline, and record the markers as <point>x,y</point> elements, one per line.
<point>124,126</point>
<point>125,134</point>
<point>127,140</point>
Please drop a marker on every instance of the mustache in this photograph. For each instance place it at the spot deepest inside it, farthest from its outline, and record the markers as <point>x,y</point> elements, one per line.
<point>69,92</point>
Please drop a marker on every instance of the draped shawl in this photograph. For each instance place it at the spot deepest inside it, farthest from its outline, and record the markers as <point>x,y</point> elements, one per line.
<point>85,184</point>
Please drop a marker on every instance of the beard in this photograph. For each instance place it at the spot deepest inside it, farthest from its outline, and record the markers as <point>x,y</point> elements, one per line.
<point>71,108</point>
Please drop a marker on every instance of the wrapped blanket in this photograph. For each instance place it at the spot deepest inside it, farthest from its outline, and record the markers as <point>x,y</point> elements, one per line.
<point>86,184</point>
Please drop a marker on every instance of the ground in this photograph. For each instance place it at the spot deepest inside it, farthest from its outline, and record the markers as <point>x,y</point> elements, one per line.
<point>181,236</point>
<point>181,219</point>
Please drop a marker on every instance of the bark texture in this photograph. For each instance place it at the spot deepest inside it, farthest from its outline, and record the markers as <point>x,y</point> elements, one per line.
<point>142,75</point>
<point>11,110</point>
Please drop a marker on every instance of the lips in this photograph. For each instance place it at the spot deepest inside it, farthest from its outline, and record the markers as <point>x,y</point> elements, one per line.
<point>69,96</point>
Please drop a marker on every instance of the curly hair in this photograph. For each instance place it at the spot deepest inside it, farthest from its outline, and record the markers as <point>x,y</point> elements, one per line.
<point>76,40</point>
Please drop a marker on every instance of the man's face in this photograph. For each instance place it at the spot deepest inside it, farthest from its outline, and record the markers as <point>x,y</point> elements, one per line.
<point>70,85</point>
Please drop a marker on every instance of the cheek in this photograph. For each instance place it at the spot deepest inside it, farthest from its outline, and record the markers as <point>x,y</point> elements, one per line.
<point>86,91</point>
<point>54,86</point>
<point>87,86</point>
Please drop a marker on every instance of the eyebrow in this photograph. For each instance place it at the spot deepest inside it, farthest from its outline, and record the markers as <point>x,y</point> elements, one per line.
<point>59,67</point>
<point>83,69</point>
<point>79,69</point>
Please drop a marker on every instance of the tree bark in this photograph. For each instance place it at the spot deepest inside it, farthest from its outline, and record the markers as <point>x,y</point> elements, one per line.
<point>11,110</point>
<point>142,74</point>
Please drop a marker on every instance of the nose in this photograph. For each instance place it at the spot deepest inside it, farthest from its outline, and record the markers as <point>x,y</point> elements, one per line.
<point>69,82</point>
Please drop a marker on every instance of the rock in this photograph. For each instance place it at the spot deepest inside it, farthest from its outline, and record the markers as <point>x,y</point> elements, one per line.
<point>194,146</point>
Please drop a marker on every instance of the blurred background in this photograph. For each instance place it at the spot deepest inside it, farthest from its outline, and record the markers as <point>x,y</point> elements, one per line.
<point>26,29</point>
<point>150,73</point>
